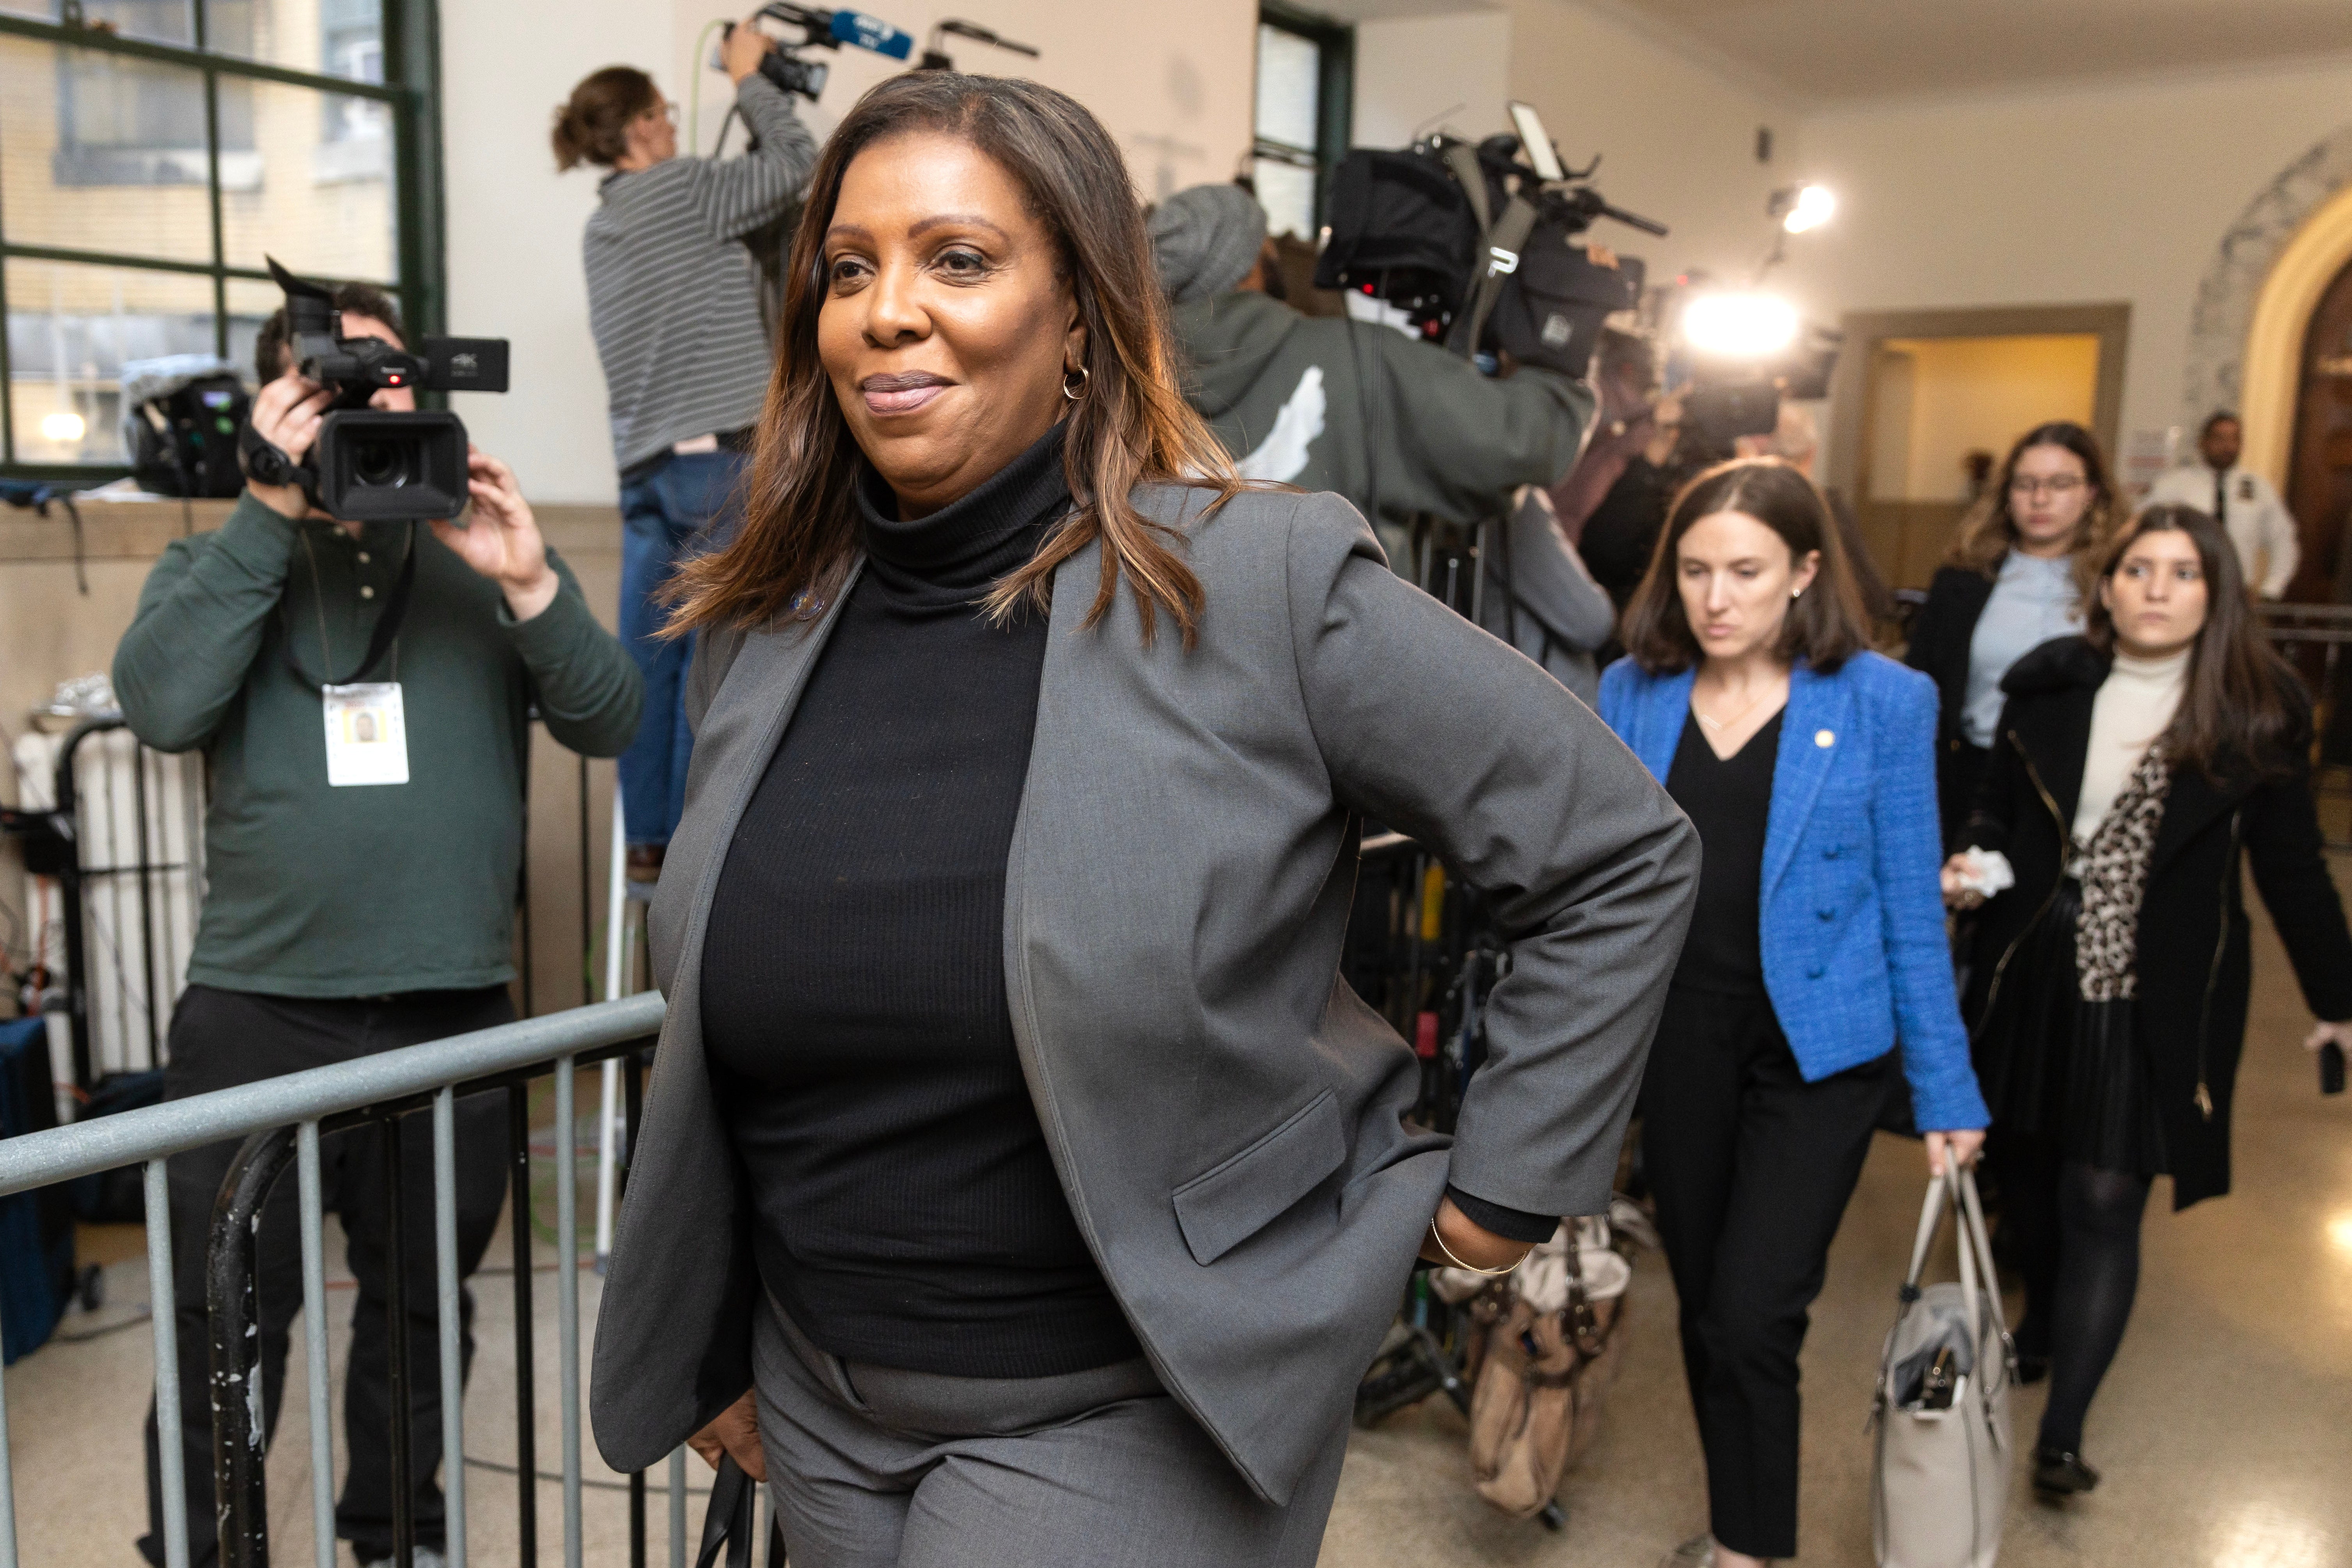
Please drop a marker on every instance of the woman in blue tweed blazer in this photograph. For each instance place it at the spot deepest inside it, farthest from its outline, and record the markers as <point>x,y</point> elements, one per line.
<point>1808,764</point>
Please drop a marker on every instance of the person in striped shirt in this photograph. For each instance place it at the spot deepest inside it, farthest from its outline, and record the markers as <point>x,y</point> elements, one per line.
<point>673,302</point>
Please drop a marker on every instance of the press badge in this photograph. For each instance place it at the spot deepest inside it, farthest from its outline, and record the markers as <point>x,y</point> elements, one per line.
<point>367,736</point>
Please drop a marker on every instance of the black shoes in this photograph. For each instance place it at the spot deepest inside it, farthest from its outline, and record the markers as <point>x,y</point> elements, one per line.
<point>2059,1474</point>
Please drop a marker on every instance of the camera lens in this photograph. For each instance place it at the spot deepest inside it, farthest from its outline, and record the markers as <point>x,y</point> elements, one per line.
<point>379,465</point>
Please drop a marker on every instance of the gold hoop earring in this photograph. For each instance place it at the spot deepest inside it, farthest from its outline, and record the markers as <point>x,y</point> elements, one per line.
<point>1085,377</point>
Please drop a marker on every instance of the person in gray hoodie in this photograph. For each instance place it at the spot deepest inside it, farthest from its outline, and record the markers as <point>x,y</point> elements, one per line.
<point>1396,425</point>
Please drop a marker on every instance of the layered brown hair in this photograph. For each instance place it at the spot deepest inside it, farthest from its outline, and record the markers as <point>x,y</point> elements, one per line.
<point>1988,532</point>
<point>1131,425</point>
<point>2242,708</point>
<point>1825,626</point>
<point>593,125</point>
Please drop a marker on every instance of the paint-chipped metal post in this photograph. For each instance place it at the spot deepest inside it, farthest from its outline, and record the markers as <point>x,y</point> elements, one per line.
<point>240,1434</point>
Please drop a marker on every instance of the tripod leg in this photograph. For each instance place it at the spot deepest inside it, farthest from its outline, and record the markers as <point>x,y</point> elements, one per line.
<point>1440,1366</point>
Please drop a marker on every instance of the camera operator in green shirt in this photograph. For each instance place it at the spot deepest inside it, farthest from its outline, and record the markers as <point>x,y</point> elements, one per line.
<point>363,847</point>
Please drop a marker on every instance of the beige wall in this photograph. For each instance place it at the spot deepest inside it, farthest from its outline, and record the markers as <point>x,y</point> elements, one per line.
<point>2119,193</point>
<point>1677,136</point>
<point>1417,74</point>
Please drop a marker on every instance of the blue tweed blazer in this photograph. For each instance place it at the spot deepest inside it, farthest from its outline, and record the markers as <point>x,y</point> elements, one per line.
<point>1852,921</point>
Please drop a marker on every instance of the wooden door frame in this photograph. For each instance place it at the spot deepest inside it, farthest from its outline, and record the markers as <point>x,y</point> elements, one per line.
<point>1866,330</point>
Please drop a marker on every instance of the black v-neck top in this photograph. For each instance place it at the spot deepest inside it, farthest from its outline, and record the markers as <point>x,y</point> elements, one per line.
<point>906,1211</point>
<point>1727,799</point>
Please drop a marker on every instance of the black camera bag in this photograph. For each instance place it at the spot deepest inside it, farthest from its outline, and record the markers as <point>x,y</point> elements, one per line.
<point>1399,213</point>
<point>183,442</point>
<point>1552,306</point>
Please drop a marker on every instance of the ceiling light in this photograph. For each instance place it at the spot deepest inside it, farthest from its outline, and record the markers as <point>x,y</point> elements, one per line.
<point>1812,207</point>
<point>64,428</point>
<point>1740,326</point>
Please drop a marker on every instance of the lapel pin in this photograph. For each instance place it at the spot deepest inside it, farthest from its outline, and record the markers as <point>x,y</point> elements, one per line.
<point>1825,739</point>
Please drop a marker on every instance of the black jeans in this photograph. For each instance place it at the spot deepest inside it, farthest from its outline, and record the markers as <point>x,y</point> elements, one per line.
<point>223,1038</point>
<point>1751,1167</point>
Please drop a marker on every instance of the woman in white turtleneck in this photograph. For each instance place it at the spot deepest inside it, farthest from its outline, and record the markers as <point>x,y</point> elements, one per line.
<point>2135,705</point>
<point>2134,768</point>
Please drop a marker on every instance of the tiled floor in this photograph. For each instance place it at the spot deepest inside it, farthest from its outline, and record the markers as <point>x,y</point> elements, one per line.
<point>2225,1430</point>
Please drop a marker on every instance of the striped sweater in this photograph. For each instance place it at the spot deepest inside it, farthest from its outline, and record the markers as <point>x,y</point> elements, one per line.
<point>671,296</point>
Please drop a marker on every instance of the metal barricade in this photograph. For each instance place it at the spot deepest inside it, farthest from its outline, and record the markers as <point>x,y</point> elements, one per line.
<point>2312,637</point>
<point>282,1120</point>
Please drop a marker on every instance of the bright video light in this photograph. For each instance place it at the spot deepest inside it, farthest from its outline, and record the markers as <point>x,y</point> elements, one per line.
<point>1740,326</point>
<point>1815,205</point>
<point>63,428</point>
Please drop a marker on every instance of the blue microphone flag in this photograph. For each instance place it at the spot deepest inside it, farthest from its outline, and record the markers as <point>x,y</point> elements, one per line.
<point>872,33</point>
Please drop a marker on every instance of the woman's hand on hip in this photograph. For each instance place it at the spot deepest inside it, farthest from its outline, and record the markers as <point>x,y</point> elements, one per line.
<point>736,1432</point>
<point>1470,1244</point>
<point>1963,1146</point>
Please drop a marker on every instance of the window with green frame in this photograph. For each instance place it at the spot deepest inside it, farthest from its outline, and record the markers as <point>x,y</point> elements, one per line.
<point>1306,71</point>
<point>154,153</point>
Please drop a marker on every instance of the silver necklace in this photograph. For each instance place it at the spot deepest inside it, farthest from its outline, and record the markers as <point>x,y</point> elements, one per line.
<point>1719,724</point>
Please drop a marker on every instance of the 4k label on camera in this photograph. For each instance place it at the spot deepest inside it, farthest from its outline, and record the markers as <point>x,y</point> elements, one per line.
<point>367,733</point>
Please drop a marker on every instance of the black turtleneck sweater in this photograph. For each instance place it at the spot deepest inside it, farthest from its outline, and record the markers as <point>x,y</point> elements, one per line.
<point>854,1002</point>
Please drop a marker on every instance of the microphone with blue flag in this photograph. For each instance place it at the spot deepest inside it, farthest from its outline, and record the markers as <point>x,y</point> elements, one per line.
<point>822,29</point>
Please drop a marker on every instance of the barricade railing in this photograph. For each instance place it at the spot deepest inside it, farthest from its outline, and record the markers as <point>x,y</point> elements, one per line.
<point>283,1119</point>
<point>2313,637</point>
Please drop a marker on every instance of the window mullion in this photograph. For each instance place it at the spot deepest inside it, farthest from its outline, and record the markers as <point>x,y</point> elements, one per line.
<point>7,375</point>
<point>192,59</point>
<point>213,190</point>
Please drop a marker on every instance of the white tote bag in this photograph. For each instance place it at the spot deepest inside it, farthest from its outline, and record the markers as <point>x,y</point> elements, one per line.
<point>1940,1481</point>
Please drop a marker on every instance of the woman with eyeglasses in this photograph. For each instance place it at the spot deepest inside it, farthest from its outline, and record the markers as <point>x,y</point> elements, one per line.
<point>2142,768</point>
<point>2018,575</point>
<point>673,302</point>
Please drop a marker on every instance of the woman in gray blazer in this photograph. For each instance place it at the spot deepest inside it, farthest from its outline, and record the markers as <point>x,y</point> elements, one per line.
<point>1019,1184</point>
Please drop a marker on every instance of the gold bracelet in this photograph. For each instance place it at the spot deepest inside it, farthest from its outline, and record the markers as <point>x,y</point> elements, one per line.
<point>1438,1236</point>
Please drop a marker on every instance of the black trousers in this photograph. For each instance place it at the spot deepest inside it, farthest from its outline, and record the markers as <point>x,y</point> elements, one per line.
<point>223,1038</point>
<point>1751,1167</point>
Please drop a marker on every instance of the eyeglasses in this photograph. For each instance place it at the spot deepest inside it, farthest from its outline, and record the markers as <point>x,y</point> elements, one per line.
<point>668,112</point>
<point>2058,488</point>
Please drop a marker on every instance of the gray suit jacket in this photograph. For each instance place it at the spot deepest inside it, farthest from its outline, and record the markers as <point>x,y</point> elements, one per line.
<point>1222,1112</point>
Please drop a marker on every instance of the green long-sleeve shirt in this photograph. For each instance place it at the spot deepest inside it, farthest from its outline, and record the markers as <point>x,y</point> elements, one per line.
<point>319,890</point>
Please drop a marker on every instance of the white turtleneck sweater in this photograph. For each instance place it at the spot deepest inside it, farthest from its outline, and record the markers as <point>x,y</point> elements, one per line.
<point>2135,705</point>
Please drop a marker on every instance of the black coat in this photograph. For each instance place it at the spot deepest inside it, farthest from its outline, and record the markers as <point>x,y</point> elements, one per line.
<point>2193,962</point>
<point>1940,635</point>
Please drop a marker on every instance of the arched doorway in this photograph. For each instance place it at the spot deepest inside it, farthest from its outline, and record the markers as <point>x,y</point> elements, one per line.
<point>2319,470</point>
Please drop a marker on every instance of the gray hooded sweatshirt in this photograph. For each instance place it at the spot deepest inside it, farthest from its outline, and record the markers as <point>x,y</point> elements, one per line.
<point>1285,393</point>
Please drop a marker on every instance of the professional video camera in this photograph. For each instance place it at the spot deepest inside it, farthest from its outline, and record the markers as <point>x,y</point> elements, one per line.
<point>1475,247</point>
<point>1738,355</point>
<point>822,29</point>
<point>372,465</point>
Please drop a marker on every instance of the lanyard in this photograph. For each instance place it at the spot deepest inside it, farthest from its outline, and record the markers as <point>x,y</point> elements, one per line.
<point>387,623</point>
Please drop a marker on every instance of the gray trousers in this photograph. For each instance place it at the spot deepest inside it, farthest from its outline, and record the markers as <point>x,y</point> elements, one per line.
<point>875,1467</point>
